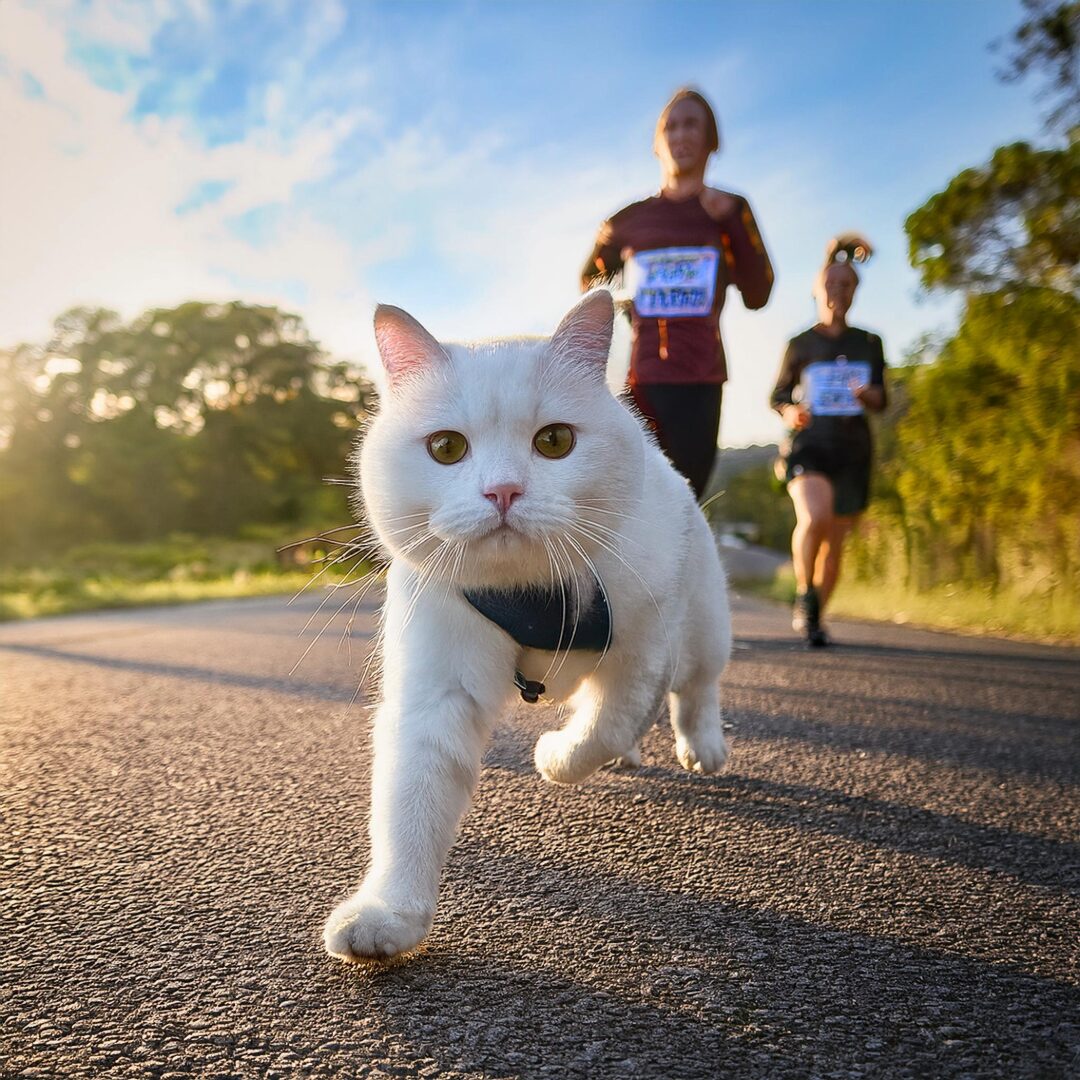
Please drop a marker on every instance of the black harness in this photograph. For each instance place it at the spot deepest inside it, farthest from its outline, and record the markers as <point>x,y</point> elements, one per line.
<point>544,618</point>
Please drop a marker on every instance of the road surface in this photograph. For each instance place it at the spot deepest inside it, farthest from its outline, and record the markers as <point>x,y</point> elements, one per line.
<point>884,883</point>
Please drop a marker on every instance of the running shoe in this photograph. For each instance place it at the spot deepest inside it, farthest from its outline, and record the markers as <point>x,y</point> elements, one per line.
<point>807,612</point>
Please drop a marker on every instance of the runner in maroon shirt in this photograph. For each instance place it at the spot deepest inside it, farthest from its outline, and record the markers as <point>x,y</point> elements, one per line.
<point>678,251</point>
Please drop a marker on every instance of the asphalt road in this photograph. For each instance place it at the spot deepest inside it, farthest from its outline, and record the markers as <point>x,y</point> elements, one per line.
<point>884,883</point>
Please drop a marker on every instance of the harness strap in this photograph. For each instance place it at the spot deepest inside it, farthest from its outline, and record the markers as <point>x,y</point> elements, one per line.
<point>544,618</point>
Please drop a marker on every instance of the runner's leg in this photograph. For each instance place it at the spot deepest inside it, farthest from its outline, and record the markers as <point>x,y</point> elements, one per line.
<point>812,495</point>
<point>827,567</point>
<point>686,418</point>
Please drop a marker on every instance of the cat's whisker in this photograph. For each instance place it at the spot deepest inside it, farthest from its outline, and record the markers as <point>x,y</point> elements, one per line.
<point>340,549</point>
<point>331,591</point>
<point>325,535</point>
<point>395,518</point>
<point>423,578</point>
<point>556,575</point>
<point>587,504</point>
<point>455,570</point>
<point>611,534</point>
<point>600,524</point>
<point>712,498</point>
<point>315,639</point>
<point>576,599</point>
<point>352,618</point>
<point>376,653</point>
<point>559,577</point>
<point>599,584</point>
<point>672,657</point>
<point>364,583</point>
<point>349,553</point>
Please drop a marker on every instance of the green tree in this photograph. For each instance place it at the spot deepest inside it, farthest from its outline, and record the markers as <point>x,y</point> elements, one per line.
<point>980,450</point>
<point>1047,42</point>
<point>1014,222</point>
<point>204,417</point>
<point>986,466</point>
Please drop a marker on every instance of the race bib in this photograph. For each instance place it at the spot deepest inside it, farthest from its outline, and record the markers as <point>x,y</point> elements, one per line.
<point>827,386</point>
<point>673,283</point>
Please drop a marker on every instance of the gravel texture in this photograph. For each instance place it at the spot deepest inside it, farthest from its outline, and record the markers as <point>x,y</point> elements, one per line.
<point>884,883</point>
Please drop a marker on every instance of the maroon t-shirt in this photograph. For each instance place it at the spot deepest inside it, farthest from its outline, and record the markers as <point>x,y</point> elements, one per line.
<point>677,262</point>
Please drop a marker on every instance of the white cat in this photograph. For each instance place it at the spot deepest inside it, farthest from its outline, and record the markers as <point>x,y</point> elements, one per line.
<point>506,464</point>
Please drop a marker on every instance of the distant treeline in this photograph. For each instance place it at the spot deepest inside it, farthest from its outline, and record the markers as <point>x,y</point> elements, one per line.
<point>205,419</point>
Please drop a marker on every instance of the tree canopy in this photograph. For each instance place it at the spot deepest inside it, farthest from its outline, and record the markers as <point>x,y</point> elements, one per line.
<point>1047,43</point>
<point>203,418</point>
<point>1014,222</point>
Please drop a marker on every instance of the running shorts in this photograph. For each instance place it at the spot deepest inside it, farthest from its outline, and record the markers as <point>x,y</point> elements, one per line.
<point>844,459</point>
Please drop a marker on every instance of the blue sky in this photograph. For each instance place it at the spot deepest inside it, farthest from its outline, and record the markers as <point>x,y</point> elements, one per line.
<point>456,158</point>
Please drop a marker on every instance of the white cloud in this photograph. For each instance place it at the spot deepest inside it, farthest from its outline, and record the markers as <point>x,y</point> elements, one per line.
<point>91,196</point>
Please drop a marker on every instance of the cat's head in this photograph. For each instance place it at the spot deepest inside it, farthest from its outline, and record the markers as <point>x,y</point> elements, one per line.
<point>501,462</point>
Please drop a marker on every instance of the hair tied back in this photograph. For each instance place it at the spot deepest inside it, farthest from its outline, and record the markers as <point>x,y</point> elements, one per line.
<point>849,247</point>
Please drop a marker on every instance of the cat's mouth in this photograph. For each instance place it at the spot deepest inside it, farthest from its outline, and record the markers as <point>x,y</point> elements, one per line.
<point>504,535</point>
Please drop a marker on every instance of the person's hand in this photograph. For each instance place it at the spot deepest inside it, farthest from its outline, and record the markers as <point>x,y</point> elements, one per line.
<point>718,204</point>
<point>868,396</point>
<point>796,417</point>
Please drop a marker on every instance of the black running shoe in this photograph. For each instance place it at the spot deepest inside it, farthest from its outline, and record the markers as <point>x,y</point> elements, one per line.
<point>806,617</point>
<point>817,638</point>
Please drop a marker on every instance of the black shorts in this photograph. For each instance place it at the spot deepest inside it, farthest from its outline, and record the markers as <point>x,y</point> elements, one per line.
<point>844,458</point>
<point>686,420</point>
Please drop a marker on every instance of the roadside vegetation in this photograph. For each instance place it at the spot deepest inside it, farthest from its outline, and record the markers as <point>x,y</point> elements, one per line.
<point>177,569</point>
<point>975,520</point>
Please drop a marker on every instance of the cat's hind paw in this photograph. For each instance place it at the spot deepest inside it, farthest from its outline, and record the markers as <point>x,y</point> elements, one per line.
<point>629,759</point>
<point>564,761</point>
<point>707,752</point>
<point>363,927</point>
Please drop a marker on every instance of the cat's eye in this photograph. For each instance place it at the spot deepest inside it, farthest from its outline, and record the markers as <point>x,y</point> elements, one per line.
<point>447,447</point>
<point>555,440</point>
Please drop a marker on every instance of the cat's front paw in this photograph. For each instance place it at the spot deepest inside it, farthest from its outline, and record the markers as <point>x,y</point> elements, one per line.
<point>705,753</point>
<point>365,927</point>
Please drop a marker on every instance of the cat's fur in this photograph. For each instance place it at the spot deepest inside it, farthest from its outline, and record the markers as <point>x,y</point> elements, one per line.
<point>613,509</point>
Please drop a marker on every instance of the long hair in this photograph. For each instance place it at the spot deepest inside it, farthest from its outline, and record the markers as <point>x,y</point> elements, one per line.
<point>712,129</point>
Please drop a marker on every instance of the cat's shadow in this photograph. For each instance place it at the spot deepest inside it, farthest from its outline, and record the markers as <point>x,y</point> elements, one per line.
<point>823,811</point>
<point>661,984</point>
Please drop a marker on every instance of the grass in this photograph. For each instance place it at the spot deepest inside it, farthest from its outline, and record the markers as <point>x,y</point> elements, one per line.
<point>1050,617</point>
<point>178,570</point>
<point>183,569</point>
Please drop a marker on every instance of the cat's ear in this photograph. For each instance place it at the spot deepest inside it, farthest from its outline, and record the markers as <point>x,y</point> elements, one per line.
<point>405,346</point>
<point>584,336</point>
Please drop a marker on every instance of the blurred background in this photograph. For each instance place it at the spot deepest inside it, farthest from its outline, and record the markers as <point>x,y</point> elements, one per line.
<point>201,201</point>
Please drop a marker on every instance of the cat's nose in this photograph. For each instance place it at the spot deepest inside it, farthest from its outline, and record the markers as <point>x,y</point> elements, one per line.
<point>502,495</point>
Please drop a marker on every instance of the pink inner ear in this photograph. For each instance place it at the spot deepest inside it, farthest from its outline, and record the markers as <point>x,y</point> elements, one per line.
<point>404,345</point>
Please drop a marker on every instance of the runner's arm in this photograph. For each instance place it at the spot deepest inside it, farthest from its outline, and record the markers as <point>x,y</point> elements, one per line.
<point>605,260</point>
<point>753,272</point>
<point>786,381</point>
<point>873,396</point>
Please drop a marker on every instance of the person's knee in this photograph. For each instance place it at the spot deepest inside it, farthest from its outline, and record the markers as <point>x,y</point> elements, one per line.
<point>818,525</point>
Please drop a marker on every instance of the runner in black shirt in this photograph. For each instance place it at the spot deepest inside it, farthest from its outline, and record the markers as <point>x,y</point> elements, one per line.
<point>839,373</point>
